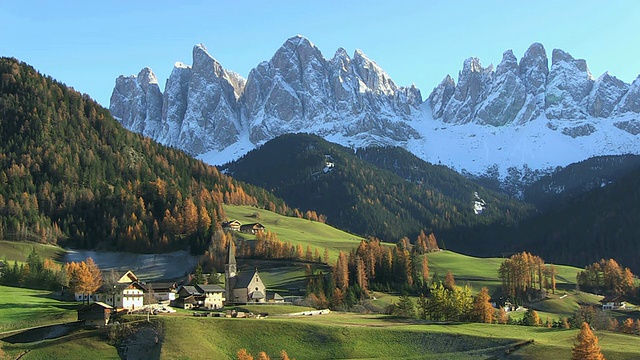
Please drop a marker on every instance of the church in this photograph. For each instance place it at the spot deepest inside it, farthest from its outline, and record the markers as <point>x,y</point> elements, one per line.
<point>242,288</point>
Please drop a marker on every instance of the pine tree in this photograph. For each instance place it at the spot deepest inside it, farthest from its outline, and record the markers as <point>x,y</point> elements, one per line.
<point>586,347</point>
<point>405,307</point>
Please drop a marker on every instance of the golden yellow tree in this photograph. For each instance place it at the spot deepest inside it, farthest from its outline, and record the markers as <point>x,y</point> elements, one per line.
<point>587,346</point>
<point>482,310</point>
<point>243,354</point>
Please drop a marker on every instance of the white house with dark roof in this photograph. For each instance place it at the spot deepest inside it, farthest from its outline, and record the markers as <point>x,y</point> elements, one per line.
<point>214,296</point>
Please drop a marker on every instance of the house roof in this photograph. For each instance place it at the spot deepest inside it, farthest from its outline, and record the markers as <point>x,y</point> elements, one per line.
<point>212,288</point>
<point>227,223</point>
<point>161,286</point>
<point>274,296</point>
<point>128,277</point>
<point>612,299</point>
<point>244,279</point>
<point>253,226</point>
<point>190,289</point>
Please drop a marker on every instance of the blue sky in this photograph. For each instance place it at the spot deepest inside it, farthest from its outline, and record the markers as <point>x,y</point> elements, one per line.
<point>87,44</point>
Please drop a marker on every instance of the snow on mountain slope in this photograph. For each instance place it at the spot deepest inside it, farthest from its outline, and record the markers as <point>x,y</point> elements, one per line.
<point>523,114</point>
<point>539,144</point>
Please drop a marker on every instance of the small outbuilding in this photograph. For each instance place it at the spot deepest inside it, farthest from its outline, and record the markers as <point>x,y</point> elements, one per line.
<point>95,314</point>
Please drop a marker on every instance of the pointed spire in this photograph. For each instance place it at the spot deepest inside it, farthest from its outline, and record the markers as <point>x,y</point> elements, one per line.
<point>232,256</point>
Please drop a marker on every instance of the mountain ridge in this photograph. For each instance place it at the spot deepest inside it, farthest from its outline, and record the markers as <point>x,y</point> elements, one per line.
<point>352,101</point>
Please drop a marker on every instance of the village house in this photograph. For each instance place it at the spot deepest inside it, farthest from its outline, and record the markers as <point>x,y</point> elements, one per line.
<point>214,296</point>
<point>162,292</point>
<point>613,303</point>
<point>231,225</point>
<point>126,293</point>
<point>253,229</point>
<point>189,297</point>
<point>95,314</point>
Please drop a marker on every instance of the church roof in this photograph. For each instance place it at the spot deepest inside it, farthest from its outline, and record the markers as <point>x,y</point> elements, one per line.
<point>244,279</point>
<point>257,295</point>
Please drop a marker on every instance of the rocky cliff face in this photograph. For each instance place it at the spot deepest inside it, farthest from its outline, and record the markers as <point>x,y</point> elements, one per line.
<point>206,107</point>
<point>522,113</point>
<point>517,93</point>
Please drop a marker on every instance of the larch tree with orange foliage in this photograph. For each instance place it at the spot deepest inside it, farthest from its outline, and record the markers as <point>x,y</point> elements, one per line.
<point>587,347</point>
<point>483,311</point>
<point>243,354</point>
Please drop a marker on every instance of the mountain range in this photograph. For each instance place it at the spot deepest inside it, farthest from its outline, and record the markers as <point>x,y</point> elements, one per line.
<point>520,113</point>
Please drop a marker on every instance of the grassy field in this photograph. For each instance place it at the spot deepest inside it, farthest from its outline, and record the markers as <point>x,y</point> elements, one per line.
<point>296,231</point>
<point>20,250</point>
<point>336,336</point>
<point>20,308</point>
<point>479,272</point>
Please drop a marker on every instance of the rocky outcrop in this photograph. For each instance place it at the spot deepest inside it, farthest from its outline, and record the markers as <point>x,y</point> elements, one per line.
<point>137,102</point>
<point>568,86</point>
<point>517,93</point>
<point>206,107</point>
<point>506,96</point>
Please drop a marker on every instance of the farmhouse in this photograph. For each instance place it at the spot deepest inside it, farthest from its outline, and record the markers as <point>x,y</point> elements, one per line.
<point>613,303</point>
<point>126,293</point>
<point>231,225</point>
<point>214,296</point>
<point>95,314</point>
<point>254,228</point>
<point>162,291</point>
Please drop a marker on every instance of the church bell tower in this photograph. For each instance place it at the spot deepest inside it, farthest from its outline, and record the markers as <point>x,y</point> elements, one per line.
<point>230,274</point>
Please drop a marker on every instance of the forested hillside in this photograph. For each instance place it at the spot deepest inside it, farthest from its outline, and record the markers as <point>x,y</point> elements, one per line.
<point>576,179</point>
<point>602,223</point>
<point>70,173</point>
<point>355,195</point>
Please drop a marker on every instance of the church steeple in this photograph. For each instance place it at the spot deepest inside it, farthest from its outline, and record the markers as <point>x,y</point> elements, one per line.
<point>230,273</point>
<point>231,260</point>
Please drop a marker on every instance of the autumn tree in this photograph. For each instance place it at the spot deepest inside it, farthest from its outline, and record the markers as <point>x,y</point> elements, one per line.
<point>341,272</point>
<point>243,354</point>
<point>586,347</point>
<point>449,281</point>
<point>84,277</point>
<point>482,309</point>
<point>503,317</point>
<point>628,326</point>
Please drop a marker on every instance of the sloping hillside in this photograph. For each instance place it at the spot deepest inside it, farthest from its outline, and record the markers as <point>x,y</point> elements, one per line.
<point>70,173</point>
<point>358,196</point>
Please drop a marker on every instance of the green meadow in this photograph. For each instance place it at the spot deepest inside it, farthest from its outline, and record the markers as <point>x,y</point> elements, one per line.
<point>295,230</point>
<point>21,308</point>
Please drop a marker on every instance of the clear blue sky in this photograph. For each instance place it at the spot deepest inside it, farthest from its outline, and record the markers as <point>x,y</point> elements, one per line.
<point>87,45</point>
